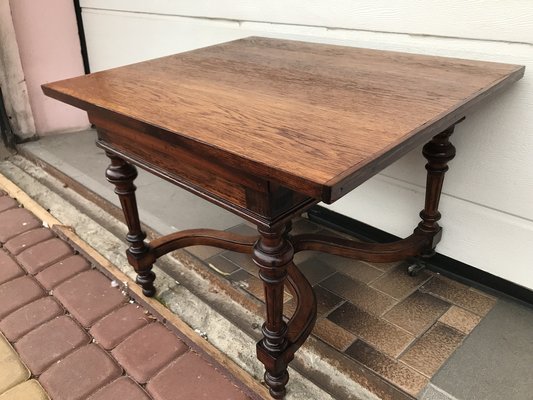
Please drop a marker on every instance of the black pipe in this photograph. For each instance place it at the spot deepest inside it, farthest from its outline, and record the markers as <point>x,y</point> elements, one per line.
<point>81,34</point>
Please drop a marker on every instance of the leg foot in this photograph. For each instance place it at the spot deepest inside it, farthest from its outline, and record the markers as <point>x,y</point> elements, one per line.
<point>146,281</point>
<point>276,384</point>
<point>415,268</point>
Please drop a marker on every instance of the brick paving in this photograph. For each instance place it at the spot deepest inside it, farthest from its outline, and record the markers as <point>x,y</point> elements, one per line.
<point>66,333</point>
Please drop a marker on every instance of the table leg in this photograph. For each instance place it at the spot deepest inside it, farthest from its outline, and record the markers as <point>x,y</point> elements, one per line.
<point>122,174</point>
<point>272,253</point>
<point>439,151</point>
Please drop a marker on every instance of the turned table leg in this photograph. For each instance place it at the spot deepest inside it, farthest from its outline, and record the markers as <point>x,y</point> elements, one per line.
<point>272,253</point>
<point>122,174</point>
<point>439,151</point>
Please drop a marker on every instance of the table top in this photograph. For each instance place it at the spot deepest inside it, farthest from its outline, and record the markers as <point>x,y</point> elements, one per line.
<point>320,119</point>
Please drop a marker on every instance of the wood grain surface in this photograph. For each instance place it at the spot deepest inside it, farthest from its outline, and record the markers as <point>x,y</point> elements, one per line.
<point>319,119</point>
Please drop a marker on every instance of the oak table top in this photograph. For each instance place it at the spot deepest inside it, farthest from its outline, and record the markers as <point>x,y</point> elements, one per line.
<point>316,118</point>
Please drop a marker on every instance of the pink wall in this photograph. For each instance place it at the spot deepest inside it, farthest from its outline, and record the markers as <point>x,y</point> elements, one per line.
<point>49,48</point>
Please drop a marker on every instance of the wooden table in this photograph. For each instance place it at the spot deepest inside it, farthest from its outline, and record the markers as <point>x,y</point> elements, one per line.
<point>268,128</point>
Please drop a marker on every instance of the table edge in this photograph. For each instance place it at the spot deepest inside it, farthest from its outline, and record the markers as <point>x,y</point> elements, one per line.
<point>343,183</point>
<point>346,181</point>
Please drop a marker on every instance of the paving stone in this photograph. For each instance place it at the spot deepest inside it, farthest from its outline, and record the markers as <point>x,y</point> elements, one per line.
<point>243,260</point>
<point>221,265</point>
<point>417,312</point>
<point>6,350</point>
<point>29,317</point>
<point>377,332</point>
<point>333,334</point>
<point>29,390</point>
<point>303,225</point>
<point>148,350</point>
<point>325,302</point>
<point>398,283</point>
<point>203,252</point>
<point>460,319</point>
<point>50,342</point>
<point>429,352</point>
<point>80,374</point>
<point>392,370</point>
<point>358,293</point>
<point>13,370</point>
<point>27,239</point>
<point>9,269</point>
<point>252,284</point>
<point>115,327</point>
<point>13,373</point>
<point>7,202</point>
<point>460,294</point>
<point>190,377</point>
<point>16,221</point>
<point>62,270</point>
<point>355,269</point>
<point>243,229</point>
<point>43,254</point>
<point>89,296</point>
<point>17,293</point>
<point>122,388</point>
<point>315,270</point>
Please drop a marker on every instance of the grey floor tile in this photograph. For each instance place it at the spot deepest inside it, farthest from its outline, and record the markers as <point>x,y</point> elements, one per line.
<point>243,260</point>
<point>326,301</point>
<point>431,392</point>
<point>248,282</point>
<point>359,294</point>
<point>243,229</point>
<point>221,265</point>
<point>385,337</point>
<point>301,225</point>
<point>204,252</point>
<point>495,361</point>
<point>331,333</point>
<point>459,294</point>
<point>355,269</point>
<point>392,370</point>
<point>462,320</point>
<point>431,350</point>
<point>398,283</point>
<point>315,270</point>
<point>417,312</point>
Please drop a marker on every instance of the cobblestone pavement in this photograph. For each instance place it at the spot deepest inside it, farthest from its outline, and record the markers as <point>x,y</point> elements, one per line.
<point>68,332</point>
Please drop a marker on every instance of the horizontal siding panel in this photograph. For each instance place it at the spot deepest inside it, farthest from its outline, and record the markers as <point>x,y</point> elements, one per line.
<point>508,20</point>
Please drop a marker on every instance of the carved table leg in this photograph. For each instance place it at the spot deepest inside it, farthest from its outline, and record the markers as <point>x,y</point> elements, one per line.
<point>122,174</point>
<point>272,253</point>
<point>439,151</point>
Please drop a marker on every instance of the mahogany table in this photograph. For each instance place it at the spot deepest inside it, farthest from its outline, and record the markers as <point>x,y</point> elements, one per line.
<point>267,128</point>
